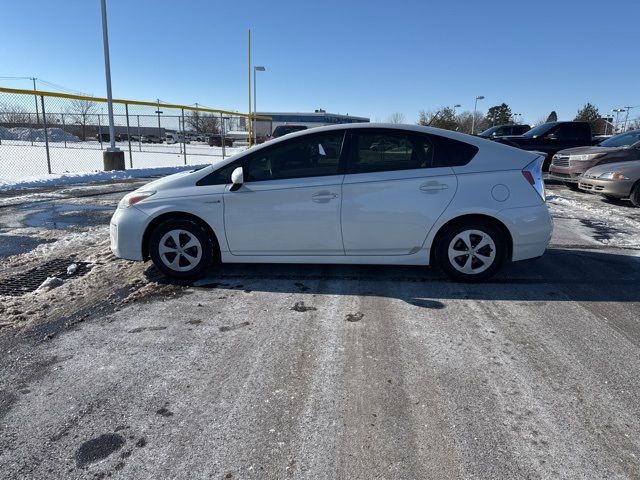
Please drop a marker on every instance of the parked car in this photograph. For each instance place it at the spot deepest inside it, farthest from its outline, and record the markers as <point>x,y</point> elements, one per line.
<point>150,139</point>
<point>551,137</point>
<point>215,140</point>
<point>569,165</point>
<point>617,180</point>
<point>281,130</point>
<point>325,196</point>
<point>503,130</point>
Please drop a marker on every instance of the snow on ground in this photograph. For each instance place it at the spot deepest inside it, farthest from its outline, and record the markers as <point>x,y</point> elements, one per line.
<point>37,134</point>
<point>40,181</point>
<point>615,224</point>
<point>21,159</point>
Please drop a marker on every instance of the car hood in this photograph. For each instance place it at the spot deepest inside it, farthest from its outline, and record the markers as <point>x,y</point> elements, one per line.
<point>589,150</point>
<point>175,180</point>
<point>631,169</point>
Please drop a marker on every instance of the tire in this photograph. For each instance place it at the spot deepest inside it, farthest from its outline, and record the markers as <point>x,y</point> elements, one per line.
<point>185,263</point>
<point>485,261</point>
<point>635,195</point>
<point>572,186</point>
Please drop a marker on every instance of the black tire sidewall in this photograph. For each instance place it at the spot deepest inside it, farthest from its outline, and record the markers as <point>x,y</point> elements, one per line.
<point>635,195</point>
<point>442,248</point>
<point>193,228</point>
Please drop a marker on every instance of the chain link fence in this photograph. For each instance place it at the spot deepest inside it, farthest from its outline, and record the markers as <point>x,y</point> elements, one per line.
<point>49,132</point>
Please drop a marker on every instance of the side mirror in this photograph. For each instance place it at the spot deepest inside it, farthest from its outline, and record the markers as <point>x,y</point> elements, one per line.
<point>552,136</point>
<point>237,179</point>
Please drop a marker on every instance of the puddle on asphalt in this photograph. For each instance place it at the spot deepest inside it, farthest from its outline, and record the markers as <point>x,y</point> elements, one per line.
<point>64,216</point>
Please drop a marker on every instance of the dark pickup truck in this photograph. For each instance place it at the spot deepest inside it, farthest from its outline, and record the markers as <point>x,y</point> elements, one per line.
<point>550,138</point>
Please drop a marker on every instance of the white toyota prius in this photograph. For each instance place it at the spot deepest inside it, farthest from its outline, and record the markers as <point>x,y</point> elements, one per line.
<point>357,193</point>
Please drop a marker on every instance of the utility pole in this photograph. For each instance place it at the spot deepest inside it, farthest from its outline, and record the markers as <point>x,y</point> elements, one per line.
<point>626,117</point>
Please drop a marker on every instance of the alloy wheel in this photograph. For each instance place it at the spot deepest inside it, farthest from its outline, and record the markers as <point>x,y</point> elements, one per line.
<point>472,251</point>
<point>180,250</point>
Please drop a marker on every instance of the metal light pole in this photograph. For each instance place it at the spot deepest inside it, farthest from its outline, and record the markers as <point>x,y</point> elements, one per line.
<point>255,69</point>
<point>113,157</point>
<point>249,118</point>
<point>473,119</point>
<point>457,105</point>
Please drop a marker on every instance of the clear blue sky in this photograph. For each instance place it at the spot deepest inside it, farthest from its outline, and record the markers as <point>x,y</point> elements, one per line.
<point>369,58</point>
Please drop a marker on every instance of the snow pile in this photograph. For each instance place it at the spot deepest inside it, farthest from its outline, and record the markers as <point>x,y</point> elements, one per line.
<point>36,134</point>
<point>91,177</point>
<point>49,284</point>
<point>71,269</point>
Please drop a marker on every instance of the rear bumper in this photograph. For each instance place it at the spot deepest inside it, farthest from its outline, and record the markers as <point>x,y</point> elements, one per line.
<point>615,188</point>
<point>530,228</point>
<point>126,230</point>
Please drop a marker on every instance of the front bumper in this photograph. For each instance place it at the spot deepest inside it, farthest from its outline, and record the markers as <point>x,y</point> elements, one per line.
<point>126,230</point>
<point>615,188</point>
<point>569,174</point>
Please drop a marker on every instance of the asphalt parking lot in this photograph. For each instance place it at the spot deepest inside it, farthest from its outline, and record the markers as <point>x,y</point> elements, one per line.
<point>276,371</point>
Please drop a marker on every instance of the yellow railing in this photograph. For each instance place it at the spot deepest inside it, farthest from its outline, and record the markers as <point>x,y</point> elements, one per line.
<point>129,102</point>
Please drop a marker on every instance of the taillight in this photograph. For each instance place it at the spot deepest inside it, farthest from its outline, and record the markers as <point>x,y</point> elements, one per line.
<point>533,174</point>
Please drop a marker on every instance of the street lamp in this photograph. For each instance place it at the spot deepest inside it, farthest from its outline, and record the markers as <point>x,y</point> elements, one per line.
<point>113,158</point>
<point>255,69</point>
<point>457,105</point>
<point>473,119</point>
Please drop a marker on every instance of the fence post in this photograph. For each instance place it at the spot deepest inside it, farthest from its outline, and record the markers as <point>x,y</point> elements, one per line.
<point>184,139</point>
<point>64,137</point>
<point>31,128</point>
<point>139,135</point>
<point>100,131</point>
<point>46,136</point>
<point>126,111</point>
<point>222,133</point>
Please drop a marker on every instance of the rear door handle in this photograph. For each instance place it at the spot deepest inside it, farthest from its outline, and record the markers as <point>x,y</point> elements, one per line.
<point>433,187</point>
<point>323,197</point>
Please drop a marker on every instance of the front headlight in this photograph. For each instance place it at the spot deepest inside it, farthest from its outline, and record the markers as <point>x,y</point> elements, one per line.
<point>133,198</point>
<point>613,176</point>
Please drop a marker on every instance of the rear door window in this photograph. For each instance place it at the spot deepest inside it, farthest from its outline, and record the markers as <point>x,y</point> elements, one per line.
<point>378,151</point>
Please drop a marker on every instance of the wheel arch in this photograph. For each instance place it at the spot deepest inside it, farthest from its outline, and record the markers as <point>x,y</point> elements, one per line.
<point>462,219</point>
<point>179,215</point>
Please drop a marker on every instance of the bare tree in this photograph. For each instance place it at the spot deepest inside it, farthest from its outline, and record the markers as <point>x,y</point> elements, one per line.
<point>465,121</point>
<point>13,115</point>
<point>81,111</point>
<point>203,122</point>
<point>397,117</point>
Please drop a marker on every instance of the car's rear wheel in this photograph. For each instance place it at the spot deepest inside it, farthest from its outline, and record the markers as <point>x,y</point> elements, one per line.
<point>635,195</point>
<point>181,248</point>
<point>471,252</point>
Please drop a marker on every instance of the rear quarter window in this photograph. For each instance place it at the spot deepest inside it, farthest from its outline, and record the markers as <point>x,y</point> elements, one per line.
<point>452,153</point>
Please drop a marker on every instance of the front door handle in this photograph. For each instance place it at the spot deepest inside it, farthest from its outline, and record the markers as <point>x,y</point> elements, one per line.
<point>433,187</point>
<point>323,197</point>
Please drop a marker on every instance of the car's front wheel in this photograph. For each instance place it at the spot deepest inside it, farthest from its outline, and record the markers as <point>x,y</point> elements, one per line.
<point>471,252</point>
<point>181,248</point>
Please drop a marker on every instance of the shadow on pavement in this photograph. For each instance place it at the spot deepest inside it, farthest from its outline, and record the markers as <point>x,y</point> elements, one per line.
<point>560,275</point>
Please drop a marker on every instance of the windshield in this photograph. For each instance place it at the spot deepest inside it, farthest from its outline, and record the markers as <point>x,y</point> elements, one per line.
<point>488,132</point>
<point>537,131</point>
<point>622,140</point>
